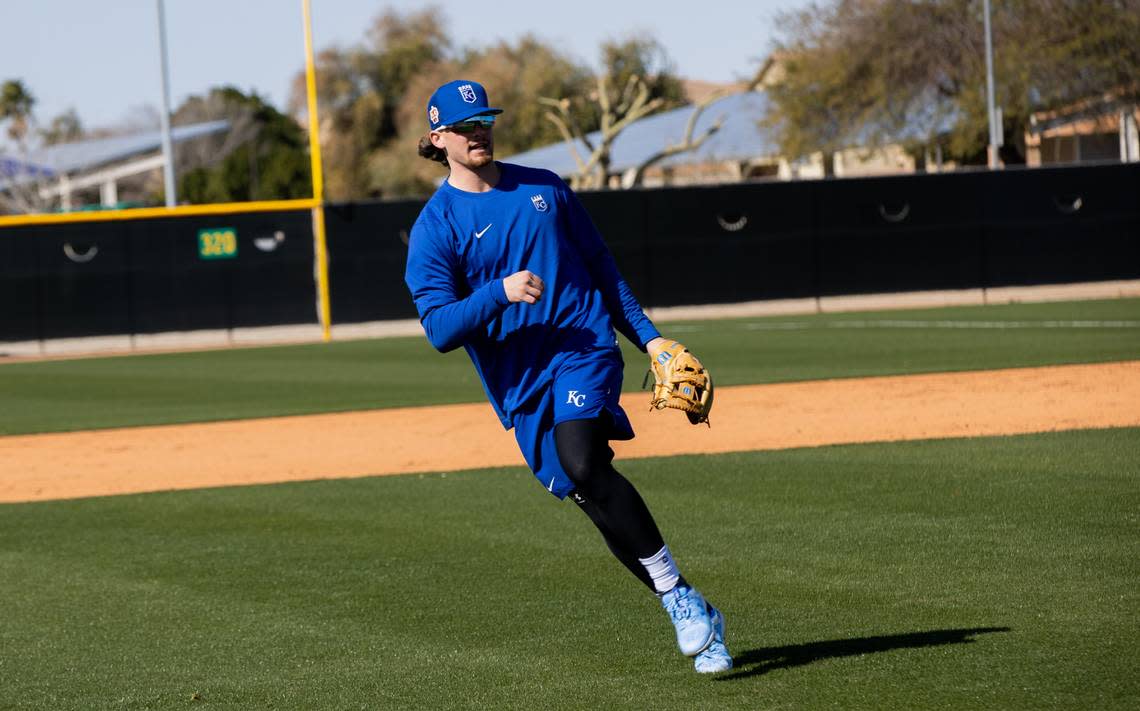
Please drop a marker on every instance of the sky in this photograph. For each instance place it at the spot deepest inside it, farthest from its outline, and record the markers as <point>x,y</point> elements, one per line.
<point>101,57</point>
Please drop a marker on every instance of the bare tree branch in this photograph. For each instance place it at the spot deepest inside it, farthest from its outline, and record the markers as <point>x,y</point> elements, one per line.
<point>23,196</point>
<point>563,128</point>
<point>22,181</point>
<point>688,143</point>
<point>212,150</point>
<point>632,104</point>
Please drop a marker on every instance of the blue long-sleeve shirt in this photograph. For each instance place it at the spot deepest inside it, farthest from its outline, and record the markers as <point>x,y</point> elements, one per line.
<point>464,244</point>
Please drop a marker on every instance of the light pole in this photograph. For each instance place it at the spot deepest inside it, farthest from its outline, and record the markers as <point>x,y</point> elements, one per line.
<point>167,148</point>
<point>991,110</point>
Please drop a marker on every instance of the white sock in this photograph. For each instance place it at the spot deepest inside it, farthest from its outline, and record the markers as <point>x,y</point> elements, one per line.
<point>662,569</point>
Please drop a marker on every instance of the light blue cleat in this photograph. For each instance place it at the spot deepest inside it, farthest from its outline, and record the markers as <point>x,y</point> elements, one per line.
<point>715,658</point>
<point>690,616</point>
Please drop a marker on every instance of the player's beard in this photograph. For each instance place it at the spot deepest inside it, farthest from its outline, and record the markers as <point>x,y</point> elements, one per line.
<point>480,161</point>
<point>485,157</point>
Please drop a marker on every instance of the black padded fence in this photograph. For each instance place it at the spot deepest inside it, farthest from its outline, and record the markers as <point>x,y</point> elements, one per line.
<point>895,235</point>
<point>949,231</point>
<point>1062,225</point>
<point>368,246</point>
<point>675,246</point>
<point>268,282</point>
<point>156,275</point>
<point>624,224</point>
<point>732,243</point>
<point>89,292</point>
<point>19,289</point>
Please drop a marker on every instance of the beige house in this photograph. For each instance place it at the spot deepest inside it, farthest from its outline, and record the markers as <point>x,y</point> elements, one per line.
<point>1100,129</point>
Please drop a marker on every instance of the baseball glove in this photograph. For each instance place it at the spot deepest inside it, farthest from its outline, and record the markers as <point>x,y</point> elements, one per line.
<point>681,383</point>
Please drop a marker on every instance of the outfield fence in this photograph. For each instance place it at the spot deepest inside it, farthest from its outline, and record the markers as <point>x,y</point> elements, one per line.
<point>678,247</point>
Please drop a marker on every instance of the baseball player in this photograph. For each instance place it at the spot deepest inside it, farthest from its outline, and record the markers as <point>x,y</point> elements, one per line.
<point>504,261</point>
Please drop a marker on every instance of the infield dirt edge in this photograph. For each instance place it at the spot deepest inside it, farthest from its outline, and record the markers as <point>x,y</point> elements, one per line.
<point>406,440</point>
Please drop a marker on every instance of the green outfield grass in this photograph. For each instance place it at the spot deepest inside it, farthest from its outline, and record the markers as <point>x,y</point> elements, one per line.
<point>996,573</point>
<point>258,382</point>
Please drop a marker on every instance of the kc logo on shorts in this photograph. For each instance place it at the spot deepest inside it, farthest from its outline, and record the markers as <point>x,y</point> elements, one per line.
<point>573,397</point>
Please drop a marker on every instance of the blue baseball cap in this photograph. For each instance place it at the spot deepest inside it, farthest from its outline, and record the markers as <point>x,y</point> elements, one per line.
<point>457,101</point>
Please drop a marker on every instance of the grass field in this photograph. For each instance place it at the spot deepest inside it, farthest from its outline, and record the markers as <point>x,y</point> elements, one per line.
<point>989,573</point>
<point>982,573</point>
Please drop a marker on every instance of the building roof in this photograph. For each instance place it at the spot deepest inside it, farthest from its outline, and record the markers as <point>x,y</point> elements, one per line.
<point>740,138</point>
<point>10,168</point>
<point>87,155</point>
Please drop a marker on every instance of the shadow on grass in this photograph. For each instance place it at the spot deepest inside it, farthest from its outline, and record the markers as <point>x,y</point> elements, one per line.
<point>755,662</point>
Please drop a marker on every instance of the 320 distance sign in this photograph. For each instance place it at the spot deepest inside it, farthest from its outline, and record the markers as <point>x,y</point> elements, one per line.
<point>217,243</point>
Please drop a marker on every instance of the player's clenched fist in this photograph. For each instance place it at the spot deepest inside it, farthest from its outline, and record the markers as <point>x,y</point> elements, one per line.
<point>523,286</point>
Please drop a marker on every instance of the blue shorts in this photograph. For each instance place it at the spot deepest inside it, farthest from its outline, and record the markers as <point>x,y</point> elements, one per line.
<point>584,386</point>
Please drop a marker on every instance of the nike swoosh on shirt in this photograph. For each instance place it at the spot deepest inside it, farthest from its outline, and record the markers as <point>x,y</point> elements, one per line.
<point>483,231</point>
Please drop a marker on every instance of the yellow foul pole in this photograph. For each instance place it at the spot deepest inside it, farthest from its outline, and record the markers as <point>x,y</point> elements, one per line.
<point>320,244</point>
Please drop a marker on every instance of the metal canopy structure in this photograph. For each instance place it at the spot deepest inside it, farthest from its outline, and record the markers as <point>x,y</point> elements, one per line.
<point>99,162</point>
<point>82,156</point>
<point>740,138</point>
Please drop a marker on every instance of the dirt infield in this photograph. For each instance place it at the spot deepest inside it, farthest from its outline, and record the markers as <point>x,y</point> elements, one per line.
<point>453,437</point>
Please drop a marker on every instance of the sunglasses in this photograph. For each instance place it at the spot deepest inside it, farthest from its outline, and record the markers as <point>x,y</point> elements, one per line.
<point>471,124</point>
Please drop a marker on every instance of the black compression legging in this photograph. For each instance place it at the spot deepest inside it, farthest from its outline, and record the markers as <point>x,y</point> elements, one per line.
<point>607,497</point>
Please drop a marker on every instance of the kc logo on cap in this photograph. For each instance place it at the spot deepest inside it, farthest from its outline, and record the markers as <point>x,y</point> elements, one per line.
<point>457,101</point>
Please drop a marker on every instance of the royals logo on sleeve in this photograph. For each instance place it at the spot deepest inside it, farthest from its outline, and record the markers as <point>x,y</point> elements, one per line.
<point>468,93</point>
<point>539,202</point>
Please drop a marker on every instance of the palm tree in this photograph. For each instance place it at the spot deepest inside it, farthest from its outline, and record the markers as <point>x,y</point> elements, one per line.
<point>16,107</point>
